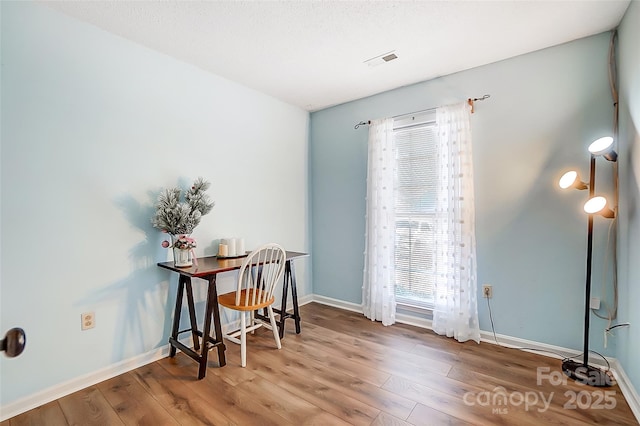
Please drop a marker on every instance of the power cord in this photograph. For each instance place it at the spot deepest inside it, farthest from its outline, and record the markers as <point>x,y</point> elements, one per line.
<point>607,331</point>
<point>564,358</point>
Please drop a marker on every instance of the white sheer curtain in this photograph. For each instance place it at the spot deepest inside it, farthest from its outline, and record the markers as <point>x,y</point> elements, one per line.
<point>456,310</point>
<point>378,289</point>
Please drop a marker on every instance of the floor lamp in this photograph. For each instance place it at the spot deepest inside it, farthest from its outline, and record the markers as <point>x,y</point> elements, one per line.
<point>582,371</point>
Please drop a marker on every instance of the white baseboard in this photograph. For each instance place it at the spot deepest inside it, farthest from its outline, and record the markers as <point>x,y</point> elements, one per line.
<point>58,391</point>
<point>63,389</point>
<point>629,392</point>
<point>336,303</point>
<point>545,349</point>
<point>303,300</point>
<point>354,307</point>
<point>37,399</point>
<point>415,321</point>
<point>627,388</point>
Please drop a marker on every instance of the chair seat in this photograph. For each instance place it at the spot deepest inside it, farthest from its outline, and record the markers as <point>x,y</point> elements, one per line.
<point>228,300</point>
<point>258,276</point>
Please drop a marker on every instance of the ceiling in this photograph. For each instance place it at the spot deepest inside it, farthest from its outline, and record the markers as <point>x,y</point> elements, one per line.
<point>312,53</point>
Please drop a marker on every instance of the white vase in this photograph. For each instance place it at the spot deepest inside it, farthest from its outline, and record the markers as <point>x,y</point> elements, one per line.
<point>181,258</point>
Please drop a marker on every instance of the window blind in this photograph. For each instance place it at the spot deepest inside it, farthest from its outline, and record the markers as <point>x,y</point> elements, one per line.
<point>415,213</point>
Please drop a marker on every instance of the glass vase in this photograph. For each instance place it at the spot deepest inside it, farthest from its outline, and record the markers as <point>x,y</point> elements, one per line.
<point>181,258</point>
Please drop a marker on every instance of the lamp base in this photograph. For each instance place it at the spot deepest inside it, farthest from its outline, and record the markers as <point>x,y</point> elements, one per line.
<point>586,374</point>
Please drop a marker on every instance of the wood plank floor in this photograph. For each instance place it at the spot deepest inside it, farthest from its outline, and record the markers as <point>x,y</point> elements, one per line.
<point>343,370</point>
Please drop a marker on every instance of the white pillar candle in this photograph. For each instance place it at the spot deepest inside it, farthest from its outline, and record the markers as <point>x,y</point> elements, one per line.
<point>231,242</point>
<point>239,246</point>
<point>223,250</point>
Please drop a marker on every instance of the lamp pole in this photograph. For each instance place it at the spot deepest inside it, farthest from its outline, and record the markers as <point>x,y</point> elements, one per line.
<point>584,373</point>
<point>587,297</point>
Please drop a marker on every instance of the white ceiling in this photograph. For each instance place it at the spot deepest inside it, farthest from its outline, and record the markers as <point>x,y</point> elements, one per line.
<point>311,53</point>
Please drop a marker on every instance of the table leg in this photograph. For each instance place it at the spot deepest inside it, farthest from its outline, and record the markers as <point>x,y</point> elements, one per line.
<point>211,312</point>
<point>206,332</point>
<point>294,295</point>
<point>217,325</point>
<point>192,313</point>
<point>283,303</point>
<point>176,316</point>
<point>289,280</point>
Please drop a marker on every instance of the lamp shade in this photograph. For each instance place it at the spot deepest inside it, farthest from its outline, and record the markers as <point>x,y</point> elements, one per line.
<point>604,147</point>
<point>571,180</point>
<point>598,205</point>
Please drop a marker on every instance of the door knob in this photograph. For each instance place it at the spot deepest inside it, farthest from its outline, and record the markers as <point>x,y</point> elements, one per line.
<point>13,342</point>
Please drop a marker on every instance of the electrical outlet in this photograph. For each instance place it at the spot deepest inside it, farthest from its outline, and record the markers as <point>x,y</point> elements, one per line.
<point>595,303</point>
<point>487,291</point>
<point>88,320</point>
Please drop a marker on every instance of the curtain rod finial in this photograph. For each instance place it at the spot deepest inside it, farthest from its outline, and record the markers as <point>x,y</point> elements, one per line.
<point>362,123</point>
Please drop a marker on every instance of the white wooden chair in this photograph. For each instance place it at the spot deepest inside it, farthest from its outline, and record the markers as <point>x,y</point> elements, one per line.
<point>258,277</point>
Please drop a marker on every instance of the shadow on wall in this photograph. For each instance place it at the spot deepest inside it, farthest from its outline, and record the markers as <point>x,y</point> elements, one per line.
<point>144,296</point>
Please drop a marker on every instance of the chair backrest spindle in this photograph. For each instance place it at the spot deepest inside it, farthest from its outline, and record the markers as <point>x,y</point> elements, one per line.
<point>260,273</point>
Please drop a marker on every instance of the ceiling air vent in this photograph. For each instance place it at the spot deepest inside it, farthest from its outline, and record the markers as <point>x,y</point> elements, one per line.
<point>381,59</point>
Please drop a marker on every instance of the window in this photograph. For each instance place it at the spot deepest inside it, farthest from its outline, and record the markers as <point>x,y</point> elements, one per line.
<point>415,209</point>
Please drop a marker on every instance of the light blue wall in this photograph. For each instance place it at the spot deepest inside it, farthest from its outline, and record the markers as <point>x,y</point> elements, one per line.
<point>545,109</point>
<point>92,127</point>
<point>629,228</point>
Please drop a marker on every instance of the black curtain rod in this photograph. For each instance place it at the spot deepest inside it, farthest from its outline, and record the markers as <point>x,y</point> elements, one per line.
<point>470,101</point>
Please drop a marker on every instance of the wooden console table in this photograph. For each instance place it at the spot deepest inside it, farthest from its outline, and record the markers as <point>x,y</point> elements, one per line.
<point>207,269</point>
